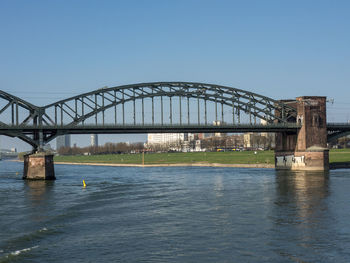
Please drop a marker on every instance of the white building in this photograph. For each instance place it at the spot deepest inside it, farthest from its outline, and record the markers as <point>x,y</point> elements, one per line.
<point>218,123</point>
<point>165,138</point>
<point>257,140</point>
<point>270,136</point>
<point>94,140</point>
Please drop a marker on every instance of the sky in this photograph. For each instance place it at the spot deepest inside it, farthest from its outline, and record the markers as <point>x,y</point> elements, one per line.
<point>50,50</point>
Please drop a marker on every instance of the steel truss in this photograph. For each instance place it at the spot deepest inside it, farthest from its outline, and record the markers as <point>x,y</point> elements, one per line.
<point>337,130</point>
<point>69,116</point>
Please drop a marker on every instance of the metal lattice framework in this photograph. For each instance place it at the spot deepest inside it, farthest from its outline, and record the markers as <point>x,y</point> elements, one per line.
<point>145,107</point>
<point>337,130</point>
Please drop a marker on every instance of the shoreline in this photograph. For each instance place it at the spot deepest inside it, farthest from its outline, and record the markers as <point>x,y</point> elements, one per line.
<point>270,166</point>
<point>332,166</point>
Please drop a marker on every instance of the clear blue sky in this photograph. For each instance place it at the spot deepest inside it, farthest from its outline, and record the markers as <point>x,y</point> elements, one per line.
<point>282,49</point>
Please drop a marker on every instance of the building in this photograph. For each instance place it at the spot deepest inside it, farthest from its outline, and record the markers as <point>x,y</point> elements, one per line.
<point>270,137</point>
<point>165,138</point>
<point>63,141</point>
<point>94,140</point>
<point>218,123</point>
<point>216,134</point>
<point>248,137</point>
<point>259,140</point>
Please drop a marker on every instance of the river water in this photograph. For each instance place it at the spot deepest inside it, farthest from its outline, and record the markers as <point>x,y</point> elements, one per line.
<point>174,214</point>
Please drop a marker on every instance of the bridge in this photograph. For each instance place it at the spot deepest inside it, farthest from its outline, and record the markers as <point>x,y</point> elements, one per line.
<point>174,107</point>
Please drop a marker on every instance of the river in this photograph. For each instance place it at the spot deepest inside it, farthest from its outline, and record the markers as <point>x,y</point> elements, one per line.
<point>174,214</point>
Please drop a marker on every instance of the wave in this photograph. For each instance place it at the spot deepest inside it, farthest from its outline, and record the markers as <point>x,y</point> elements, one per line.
<point>16,253</point>
<point>43,230</point>
<point>7,256</point>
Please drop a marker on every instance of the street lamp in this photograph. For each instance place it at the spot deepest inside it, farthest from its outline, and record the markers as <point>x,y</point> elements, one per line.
<point>256,156</point>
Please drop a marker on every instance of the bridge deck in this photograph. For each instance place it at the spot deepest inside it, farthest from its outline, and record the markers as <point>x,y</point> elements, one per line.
<point>345,126</point>
<point>108,129</point>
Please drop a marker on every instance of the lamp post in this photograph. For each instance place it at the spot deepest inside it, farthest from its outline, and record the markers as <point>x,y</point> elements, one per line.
<point>256,156</point>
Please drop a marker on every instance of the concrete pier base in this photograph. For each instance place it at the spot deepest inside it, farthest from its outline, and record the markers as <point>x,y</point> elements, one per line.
<point>314,159</point>
<point>39,166</point>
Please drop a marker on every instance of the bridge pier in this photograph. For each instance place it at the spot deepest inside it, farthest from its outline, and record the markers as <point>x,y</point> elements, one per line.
<point>306,150</point>
<point>39,166</point>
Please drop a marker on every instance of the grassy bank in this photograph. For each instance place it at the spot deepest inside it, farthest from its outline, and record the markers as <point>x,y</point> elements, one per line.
<point>339,156</point>
<point>246,157</point>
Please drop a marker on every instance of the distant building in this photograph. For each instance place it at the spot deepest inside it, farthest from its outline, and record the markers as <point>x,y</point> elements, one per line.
<point>199,136</point>
<point>63,141</point>
<point>216,134</point>
<point>260,140</point>
<point>270,137</point>
<point>94,140</point>
<point>165,138</point>
<point>197,146</point>
<point>248,139</point>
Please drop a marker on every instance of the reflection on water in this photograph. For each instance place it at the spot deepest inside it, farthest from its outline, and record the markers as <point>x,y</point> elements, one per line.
<point>38,195</point>
<point>301,212</point>
<point>37,190</point>
<point>303,190</point>
<point>218,185</point>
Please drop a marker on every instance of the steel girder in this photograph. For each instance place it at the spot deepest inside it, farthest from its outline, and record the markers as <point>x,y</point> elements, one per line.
<point>337,130</point>
<point>17,107</point>
<point>16,104</point>
<point>58,118</point>
<point>112,129</point>
<point>100,100</point>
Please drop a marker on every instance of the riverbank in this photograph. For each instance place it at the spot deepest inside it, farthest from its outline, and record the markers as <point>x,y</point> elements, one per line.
<point>227,159</point>
<point>200,158</point>
<point>339,159</point>
<point>175,165</point>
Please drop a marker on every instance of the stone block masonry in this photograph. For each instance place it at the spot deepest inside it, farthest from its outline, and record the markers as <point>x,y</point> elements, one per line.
<point>306,150</point>
<point>39,166</point>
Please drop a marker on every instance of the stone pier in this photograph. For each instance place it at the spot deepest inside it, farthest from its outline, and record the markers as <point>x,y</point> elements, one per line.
<point>306,150</point>
<point>39,166</point>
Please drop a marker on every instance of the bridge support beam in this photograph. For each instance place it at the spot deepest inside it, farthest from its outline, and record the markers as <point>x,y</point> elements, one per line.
<point>39,166</point>
<point>306,150</point>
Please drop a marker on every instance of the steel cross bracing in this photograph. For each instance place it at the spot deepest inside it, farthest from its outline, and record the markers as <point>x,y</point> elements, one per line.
<point>337,130</point>
<point>145,107</point>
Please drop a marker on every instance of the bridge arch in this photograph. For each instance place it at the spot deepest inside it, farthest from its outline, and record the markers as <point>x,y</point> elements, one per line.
<point>79,108</point>
<point>337,135</point>
<point>198,105</point>
<point>15,106</point>
<point>15,111</point>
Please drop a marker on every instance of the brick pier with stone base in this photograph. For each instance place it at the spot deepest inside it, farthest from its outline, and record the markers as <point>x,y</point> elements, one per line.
<point>39,166</point>
<point>306,150</point>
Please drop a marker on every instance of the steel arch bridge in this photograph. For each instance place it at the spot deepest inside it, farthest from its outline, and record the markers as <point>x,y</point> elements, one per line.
<point>145,108</point>
<point>337,130</point>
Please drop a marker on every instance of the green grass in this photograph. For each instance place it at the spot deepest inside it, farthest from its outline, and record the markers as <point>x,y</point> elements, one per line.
<point>245,157</point>
<point>339,155</point>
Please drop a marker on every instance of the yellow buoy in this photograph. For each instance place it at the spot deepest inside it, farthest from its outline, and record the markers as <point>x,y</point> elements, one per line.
<point>84,184</point>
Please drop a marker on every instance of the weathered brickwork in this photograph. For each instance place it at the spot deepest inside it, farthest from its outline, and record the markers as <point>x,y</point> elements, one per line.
<point>306,150</point>
<point>39,166</point>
